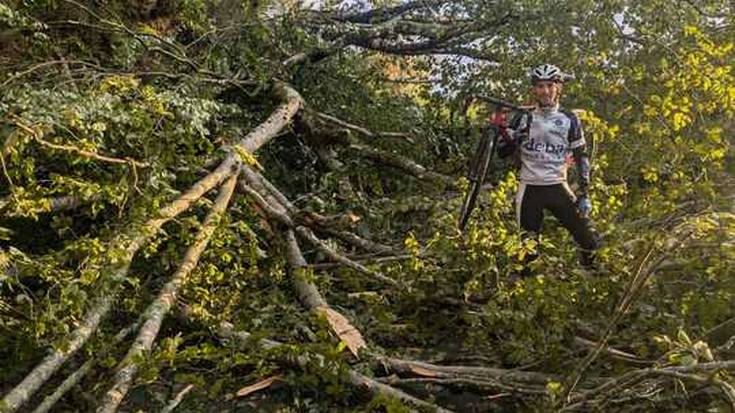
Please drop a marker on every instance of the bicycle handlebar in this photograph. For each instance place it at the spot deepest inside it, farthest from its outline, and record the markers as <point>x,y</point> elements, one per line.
<point>503,104</point>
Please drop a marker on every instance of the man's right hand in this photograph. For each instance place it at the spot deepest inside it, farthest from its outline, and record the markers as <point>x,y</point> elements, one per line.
<point>499,120</point>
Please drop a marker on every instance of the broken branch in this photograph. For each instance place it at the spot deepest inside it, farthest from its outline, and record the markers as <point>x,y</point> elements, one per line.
<point>310,296</point>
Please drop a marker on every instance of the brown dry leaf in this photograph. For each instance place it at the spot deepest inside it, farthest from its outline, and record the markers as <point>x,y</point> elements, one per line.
<point>421,371</point>
<point>257,386</point>
<point>344,330</point>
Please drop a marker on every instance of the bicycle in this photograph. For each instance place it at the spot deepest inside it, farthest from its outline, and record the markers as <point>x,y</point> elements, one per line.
<point>481,163</point>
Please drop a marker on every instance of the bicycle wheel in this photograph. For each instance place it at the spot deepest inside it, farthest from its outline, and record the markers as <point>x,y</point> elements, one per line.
<point>479,168</point>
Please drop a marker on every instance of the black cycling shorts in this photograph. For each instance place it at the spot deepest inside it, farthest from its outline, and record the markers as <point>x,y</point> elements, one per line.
<point>532,200</point>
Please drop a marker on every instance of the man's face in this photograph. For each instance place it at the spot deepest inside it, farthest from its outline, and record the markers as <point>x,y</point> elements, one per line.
<point>545,92</point>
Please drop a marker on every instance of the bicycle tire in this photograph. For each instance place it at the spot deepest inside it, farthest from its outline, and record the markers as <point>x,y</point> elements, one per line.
<point>479,167</point>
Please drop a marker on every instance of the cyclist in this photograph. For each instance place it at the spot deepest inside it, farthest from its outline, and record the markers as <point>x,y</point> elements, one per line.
<point>545,137</point>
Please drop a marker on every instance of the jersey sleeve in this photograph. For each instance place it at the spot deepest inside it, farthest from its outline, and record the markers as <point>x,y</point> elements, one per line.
<point>576,135</point>
<point>519,121</point>
<point>508,147</point>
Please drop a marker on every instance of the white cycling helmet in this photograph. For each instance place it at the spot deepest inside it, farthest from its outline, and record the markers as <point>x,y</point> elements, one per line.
<point>548,72</point>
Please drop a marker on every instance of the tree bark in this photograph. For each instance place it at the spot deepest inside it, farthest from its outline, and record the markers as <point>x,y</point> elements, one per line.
<point>404,164</point>
<point>308,235</point>
<point>418,368</point>
<point>176,401</point>
<point>278,212</point>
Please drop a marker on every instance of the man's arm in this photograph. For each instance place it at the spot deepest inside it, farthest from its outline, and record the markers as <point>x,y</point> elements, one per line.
<point>509,142</point>
<point>583,168</point>
<point>579,152</point>
<point>581,158</point>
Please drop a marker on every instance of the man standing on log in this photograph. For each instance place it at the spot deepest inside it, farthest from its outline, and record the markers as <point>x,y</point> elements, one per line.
<point>545,137</point>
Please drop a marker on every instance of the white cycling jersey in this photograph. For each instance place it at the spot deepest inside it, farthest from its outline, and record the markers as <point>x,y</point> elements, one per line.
<point>554,133</point>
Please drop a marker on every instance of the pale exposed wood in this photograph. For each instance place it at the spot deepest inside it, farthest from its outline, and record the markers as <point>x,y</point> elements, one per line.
<point>343,328</point>
<point>259,385</point>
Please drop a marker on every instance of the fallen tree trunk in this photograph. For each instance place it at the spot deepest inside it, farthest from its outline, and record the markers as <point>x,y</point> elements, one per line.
<point>404,164</point>
<point>101,306</point>
<point>157,310</point>
<point>423,369</point>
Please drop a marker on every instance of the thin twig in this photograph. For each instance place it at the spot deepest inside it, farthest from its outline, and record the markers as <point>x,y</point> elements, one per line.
<point>73,149</point>
<point>632,288</point>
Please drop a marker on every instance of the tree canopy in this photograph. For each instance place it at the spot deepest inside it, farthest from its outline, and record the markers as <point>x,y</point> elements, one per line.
<point>215,205</point>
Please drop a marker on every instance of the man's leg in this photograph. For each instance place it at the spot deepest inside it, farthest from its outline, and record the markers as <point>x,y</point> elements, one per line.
<point>562,206</point>
<point>530,215</point>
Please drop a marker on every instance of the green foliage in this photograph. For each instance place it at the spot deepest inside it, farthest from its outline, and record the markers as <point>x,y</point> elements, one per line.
<point>387,404</point>
<point>161,95</point>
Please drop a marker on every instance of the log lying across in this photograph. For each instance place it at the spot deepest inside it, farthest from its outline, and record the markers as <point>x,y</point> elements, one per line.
<point>360,381</point>
<point>515,381</point>
<point>404,164</point>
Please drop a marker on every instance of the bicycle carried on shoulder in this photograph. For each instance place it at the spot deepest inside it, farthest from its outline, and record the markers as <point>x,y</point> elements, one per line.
<point>481,163</point>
